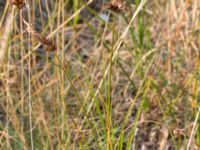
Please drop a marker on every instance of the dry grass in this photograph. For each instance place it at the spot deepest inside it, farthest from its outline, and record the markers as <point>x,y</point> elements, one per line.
<point>118,80</point>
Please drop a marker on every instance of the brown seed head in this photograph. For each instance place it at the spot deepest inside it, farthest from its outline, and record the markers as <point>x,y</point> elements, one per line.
<point>114,5</point>
<point>19,3</point>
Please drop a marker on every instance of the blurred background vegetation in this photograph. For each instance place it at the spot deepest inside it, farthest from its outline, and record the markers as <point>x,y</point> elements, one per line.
<point>124,78</point>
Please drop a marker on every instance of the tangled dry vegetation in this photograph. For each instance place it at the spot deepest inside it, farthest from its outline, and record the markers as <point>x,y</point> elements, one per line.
<point>96,74</point>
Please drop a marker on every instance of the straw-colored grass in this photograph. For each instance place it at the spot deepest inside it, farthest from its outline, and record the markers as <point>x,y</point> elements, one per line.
<point>76,75</point>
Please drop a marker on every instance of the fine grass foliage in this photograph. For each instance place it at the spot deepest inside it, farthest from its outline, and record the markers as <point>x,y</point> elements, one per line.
<point>117,79</point>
